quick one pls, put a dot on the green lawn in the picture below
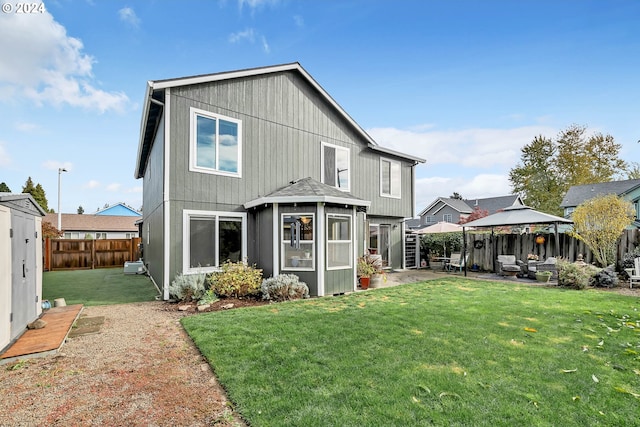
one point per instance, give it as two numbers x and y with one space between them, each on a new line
97 287
451 352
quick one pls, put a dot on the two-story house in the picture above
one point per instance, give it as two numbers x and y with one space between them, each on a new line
262 164
628 189
445 209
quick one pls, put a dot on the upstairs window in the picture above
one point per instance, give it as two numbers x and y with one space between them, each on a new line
335 166
216 144
447 218
390 178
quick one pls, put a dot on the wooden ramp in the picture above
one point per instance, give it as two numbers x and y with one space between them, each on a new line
40 342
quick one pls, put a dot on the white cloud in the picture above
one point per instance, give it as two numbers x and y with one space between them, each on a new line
247 34
265 45
298 20
113 187
481 148
92 184
128 16
26 127
53 165
49 66
472 162
137 190
256 4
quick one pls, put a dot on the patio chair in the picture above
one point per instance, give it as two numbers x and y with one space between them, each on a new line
634 277
458 263
506 260
549 264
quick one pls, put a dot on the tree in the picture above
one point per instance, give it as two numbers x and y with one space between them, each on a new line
80 210
476 214
456 195
50 231
599 222
4 188
549 167
37 192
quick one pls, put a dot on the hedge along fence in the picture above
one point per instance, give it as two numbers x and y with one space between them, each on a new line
483 248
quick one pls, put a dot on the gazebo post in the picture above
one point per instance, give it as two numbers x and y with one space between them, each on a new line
464 250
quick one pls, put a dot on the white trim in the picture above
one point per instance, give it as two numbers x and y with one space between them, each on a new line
351 241
336 173
166 203
276 240
391 163
283 242
354 237
307 199
187 214
193 142
320 251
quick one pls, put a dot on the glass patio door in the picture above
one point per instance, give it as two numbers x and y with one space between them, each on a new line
379 241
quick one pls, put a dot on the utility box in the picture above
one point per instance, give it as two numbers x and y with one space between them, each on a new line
133 267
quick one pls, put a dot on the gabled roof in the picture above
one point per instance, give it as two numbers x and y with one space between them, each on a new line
78 222
154 104
494 204
457 204
308 190
24 202
466 206
118 209
578 194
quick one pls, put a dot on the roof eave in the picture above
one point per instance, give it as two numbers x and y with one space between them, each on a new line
388 151
306 199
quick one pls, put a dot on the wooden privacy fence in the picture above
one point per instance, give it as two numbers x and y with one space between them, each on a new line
483 248
82 254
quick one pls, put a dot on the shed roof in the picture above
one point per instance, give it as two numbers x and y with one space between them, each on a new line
84 222
24 202
308 190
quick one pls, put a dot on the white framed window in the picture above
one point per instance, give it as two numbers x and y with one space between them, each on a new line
390 178
336 170
215 144
339 244
431 219
298 242
101 235
447 218
211 238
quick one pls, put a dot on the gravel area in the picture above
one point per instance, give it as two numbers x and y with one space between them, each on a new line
141 369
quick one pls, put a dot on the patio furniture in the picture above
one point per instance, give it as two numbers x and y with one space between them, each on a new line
634 275
458 263
549 265
510 270
504 260
532 268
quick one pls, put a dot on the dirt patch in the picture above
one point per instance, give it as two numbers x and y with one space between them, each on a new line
86 325
140 369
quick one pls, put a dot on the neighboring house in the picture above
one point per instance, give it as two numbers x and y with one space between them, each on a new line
628 189
83 226
119 209
263 165
454 210
20 265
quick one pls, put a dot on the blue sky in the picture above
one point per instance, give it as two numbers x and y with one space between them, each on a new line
463 84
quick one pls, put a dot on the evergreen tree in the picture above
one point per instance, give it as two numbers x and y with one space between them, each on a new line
80 210
4 188
37 192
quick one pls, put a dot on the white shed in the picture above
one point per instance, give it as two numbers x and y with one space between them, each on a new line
20 264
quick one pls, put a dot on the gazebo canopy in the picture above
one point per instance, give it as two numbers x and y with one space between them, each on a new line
517 215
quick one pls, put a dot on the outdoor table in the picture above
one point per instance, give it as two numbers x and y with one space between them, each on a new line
443 260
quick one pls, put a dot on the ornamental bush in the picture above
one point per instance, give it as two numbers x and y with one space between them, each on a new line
236 280
575 276
627 261
283 288
188 287
605 278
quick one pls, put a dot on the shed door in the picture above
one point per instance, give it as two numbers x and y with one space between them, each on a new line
23 272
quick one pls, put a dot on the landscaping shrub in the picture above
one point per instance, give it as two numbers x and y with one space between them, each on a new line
574 275
188 287
627 261
237 280
605 278
284 287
